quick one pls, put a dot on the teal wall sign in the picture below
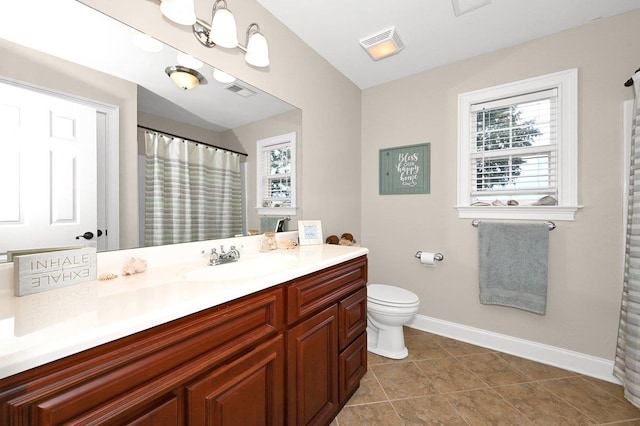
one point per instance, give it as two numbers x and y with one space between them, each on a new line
405 169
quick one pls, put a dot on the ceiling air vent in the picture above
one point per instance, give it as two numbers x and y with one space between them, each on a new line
382 44
460 7
240 90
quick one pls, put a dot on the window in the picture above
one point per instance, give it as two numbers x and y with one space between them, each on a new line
517 150
276 175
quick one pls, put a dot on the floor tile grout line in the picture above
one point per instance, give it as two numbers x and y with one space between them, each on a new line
557 396
458 355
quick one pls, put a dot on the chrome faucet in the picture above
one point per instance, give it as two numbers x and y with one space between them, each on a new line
223 257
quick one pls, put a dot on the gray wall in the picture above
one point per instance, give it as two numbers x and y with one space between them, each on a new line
342 136
586 256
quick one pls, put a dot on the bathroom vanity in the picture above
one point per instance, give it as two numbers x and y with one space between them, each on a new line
288 347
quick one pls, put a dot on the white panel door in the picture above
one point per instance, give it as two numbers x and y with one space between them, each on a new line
47 170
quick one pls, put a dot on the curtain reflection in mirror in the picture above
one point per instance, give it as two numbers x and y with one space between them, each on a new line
192 192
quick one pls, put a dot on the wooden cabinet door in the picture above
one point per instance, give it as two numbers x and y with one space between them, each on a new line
353 366
166 414
312 357
352 314
247 391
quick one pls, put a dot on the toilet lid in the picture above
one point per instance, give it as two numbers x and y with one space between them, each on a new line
390 294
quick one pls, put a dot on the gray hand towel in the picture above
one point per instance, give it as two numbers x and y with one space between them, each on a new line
513 265
268 223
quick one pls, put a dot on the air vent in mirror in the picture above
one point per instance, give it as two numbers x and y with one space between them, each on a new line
240 90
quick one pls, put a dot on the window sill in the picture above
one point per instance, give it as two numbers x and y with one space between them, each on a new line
277 211
518 212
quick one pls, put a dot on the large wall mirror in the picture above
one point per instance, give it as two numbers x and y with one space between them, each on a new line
69 51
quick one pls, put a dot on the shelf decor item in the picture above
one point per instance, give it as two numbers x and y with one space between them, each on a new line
310 232
35 273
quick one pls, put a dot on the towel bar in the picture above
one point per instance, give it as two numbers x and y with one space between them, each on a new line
551 225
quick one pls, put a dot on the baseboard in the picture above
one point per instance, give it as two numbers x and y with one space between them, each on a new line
562 358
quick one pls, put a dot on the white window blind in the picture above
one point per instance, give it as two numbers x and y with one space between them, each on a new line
276 175
518 149
513 144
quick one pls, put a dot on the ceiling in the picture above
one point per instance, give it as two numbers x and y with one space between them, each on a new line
433 36
74 32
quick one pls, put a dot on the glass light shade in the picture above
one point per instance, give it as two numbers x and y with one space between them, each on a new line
257 51
382 50
189 61
184 80
223 29
179 11
222 76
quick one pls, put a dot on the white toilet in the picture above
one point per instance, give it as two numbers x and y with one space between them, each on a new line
388 309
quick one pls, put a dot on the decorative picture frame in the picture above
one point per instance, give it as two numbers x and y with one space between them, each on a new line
405 169
310 232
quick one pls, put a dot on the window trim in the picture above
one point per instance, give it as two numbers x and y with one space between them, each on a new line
566 83
287 138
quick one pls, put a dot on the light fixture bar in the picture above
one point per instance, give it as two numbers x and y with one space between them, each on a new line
222 31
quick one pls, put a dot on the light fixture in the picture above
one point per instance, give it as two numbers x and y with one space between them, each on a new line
382 44
223 26
222 76
189 61
257 52
222 31
185 78
179 11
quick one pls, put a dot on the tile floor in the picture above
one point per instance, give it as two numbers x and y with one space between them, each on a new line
447 382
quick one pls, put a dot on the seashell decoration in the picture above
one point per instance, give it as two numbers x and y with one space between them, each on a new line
547 200
107 276
134 266
332 239
346 240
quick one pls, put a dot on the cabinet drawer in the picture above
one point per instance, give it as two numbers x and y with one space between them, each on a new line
319 290
353 366
130 373
352 317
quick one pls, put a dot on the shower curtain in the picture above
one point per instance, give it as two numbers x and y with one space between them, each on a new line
193 192
627 362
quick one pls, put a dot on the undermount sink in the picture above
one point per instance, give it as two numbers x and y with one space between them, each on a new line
246 267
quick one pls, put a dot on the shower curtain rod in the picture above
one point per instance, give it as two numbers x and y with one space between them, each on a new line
192 140
630 81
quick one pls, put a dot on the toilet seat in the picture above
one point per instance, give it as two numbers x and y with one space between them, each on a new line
391 296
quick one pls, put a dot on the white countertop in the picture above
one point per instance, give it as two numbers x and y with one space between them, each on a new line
40 328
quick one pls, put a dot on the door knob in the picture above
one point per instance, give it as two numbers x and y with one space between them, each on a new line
87 236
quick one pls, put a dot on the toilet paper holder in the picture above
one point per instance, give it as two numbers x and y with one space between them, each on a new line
437 256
